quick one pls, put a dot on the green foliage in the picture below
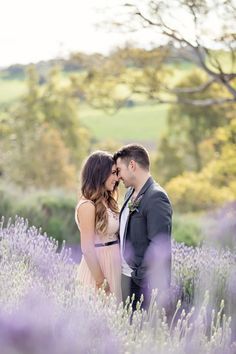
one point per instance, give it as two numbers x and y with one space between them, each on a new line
187 229
60 109
15 71
215 183
107 145
7 197
43 140
182 147
42 163
193 191
168 161
127 71
11 90
52 210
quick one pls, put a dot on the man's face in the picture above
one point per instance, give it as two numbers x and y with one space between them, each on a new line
124 171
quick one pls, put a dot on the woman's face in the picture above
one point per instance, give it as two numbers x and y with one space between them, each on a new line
112 179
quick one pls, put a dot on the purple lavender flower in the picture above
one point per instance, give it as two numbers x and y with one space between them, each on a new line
43 309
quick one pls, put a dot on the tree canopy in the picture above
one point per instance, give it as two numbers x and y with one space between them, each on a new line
42 140
202 32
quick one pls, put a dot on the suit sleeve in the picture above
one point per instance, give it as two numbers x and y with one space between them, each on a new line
158 216
155 268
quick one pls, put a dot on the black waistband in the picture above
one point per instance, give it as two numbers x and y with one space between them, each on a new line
106 243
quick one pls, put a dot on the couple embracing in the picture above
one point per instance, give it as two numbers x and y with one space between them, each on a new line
128 251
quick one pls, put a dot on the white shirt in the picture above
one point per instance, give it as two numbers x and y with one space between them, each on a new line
125 268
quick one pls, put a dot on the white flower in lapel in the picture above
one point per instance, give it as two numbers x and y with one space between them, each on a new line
134 204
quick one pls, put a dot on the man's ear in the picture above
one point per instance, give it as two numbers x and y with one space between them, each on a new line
133 165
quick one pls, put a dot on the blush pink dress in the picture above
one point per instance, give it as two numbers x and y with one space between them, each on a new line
108 256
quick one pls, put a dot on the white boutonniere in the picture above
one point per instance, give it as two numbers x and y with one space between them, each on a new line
134 204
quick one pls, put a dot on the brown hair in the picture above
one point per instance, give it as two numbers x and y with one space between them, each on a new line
96 170
134 152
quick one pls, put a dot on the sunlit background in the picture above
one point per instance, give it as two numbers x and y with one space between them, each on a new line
31 31
78 76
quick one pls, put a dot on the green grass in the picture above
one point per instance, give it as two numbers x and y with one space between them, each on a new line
140 123
225 60
11 90
143 123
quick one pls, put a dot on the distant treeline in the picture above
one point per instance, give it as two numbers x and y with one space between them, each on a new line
80 61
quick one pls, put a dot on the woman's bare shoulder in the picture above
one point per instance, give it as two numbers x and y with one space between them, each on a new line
85 212
84 201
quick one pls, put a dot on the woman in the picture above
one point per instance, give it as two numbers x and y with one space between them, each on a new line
97 217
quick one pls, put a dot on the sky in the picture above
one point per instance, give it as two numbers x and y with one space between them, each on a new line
32 30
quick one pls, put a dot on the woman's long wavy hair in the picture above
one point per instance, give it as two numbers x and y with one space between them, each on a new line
96 170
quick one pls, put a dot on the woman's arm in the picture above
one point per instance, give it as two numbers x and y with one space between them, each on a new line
86 217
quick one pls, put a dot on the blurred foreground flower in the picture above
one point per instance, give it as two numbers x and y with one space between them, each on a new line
45 310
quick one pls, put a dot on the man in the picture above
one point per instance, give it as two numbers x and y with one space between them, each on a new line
145 227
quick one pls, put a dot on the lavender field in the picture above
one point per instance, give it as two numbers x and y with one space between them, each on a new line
45 310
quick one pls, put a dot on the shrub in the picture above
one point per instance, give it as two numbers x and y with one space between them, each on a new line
51 210
187 229
193 192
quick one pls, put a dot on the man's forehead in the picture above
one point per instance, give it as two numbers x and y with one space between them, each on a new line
120 162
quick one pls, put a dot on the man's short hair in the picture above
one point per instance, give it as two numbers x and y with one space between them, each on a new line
134 152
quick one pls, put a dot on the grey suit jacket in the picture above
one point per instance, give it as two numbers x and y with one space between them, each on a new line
147 236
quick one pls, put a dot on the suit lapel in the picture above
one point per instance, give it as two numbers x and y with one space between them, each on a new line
127 196
147 184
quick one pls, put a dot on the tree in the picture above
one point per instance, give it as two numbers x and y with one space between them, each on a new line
215 183
42 162
125 71
44 113
189 130
186 27
60 109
